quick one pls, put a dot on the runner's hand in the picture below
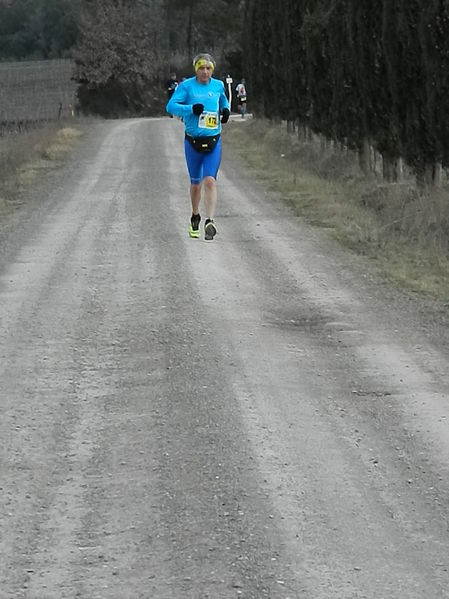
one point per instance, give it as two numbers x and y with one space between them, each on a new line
225 115
197 109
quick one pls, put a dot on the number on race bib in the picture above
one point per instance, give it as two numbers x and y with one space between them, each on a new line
208 120
211 121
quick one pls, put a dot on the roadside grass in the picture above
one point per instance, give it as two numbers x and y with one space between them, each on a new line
29 154
400 231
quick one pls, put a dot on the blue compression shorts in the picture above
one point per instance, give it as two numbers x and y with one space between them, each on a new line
202 164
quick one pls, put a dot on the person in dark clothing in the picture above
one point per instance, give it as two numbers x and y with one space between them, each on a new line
170 87
172 84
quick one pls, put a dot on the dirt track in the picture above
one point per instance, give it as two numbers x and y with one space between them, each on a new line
250 417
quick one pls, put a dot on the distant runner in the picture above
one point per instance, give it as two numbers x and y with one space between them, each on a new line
202 104
171 86
241 97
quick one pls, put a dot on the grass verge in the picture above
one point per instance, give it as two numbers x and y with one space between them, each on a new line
27 155
402 232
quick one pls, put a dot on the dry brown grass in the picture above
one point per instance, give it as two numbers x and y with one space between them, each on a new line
402 231
25 155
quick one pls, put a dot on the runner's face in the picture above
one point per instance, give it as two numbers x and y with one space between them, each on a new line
204 74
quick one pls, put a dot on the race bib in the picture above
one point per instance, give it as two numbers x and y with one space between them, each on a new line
208 120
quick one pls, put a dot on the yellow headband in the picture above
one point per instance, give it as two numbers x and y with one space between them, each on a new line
202 62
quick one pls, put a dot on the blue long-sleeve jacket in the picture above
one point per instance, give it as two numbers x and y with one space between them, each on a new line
211 95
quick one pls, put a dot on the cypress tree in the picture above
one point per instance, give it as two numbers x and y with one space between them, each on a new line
415 142
416 47
295 68
436 55
431 125
343 103
318 72
370 80
258 54
364 74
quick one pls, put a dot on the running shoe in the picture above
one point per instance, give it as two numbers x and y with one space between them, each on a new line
210 230
194 228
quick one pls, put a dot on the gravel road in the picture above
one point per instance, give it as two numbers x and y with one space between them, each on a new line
252 417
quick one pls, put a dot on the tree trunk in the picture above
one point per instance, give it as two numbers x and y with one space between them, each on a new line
432 175
390 169
325 144
304 133
438 174
365 157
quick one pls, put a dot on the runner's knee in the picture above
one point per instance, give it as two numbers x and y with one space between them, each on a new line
209 182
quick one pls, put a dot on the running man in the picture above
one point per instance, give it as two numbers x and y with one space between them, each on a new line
241 96
202 104
171 85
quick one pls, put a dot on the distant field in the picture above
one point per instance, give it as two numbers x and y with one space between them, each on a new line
36 91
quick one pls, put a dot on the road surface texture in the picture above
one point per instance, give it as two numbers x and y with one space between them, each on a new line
251 417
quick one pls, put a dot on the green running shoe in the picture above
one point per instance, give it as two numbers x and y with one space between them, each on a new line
194 228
